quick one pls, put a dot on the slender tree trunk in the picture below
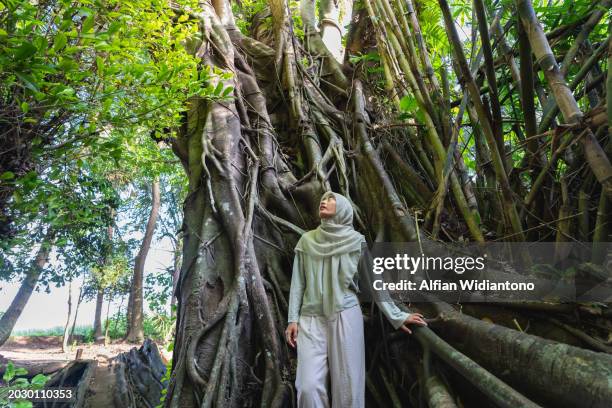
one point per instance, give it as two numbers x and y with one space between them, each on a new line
601 9
67 325
601 233
118 315
97 327
485 123
135 328
106 256
129 309
496 116
107 322
594 154
10 317
76 314
176 273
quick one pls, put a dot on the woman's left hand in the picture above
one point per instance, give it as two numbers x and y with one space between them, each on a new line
414 318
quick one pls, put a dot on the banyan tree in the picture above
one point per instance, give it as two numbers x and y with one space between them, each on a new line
491 128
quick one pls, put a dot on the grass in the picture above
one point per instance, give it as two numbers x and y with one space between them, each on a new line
156 327
53 331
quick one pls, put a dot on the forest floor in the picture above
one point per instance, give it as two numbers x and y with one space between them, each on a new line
44 353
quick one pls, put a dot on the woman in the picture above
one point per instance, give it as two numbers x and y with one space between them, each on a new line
325 320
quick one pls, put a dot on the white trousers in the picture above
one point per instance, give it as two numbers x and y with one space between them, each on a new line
331 349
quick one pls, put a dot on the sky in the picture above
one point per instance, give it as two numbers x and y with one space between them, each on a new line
49 310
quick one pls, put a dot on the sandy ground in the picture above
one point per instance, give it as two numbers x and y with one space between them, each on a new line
44 353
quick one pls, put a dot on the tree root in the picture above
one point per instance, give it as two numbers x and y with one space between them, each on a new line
533 364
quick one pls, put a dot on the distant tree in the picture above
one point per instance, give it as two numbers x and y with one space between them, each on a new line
67 219
135 332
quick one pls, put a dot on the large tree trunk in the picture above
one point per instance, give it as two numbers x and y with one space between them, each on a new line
135 332
258 163
9 318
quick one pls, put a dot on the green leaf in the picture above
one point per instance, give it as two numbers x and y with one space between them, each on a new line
28 81
22 404
41 44
7 175
25 50
39 380
9 372
21 382
227 91
68 64
25 108
420 116
60 41
71 49
408 104
100 65
218 88
20 371
87 24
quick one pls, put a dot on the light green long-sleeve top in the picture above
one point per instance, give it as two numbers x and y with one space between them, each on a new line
309 291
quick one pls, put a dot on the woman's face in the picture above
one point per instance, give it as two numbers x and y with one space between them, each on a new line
327 208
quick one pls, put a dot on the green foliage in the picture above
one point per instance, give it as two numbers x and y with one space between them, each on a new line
296 19
410 109
85 332
370 56
371 66
72 203
467 147
158 327
117 326
113 77
245 10
79 74
158 290
112 271
430 20
14 379
552 15
86 82
161 326
102 62
166 378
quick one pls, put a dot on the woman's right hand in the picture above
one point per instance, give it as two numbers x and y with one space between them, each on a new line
413 318
291 334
